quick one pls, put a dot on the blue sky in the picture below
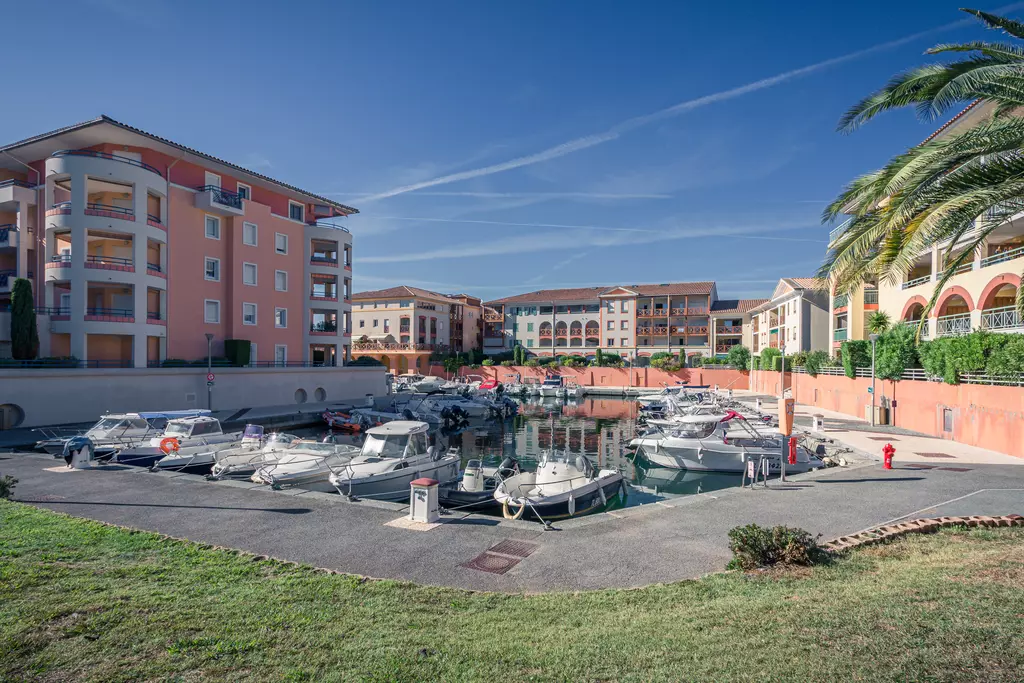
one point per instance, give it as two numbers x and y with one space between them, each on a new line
499 147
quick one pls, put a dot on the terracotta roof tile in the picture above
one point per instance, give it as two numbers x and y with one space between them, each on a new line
402 291
808 282
673 289
736 305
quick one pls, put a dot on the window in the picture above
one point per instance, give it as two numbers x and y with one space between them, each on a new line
624 325
281 280
362 323
212 269
625 307
297 212
249 274
249 234
211 311
611 342
248 314
611 324
529 342
212 228
280 317
529 327
610 306
280 354
375 322
280 243
244 191
624 341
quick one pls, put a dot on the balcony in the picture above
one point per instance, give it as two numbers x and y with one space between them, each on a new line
840 301
953 325
870 297
652 313
1002 257
109 211
494 317
59 209
544 334
697 330
109 263
840 334
110 315
917 281
838 230
8 235
390 346
213 199
728 329
1005 318
323 294
697 310
325 328
496 341
156 318
110 157
323 260
155 222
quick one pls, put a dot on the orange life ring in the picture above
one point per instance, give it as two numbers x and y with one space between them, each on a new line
169 444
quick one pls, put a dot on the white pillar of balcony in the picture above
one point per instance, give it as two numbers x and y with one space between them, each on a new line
79 281
24 241
140 293
979 254
935 263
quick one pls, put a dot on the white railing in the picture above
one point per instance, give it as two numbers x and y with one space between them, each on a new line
920 375
1005 256
1000 318
838 230
916 281
950 325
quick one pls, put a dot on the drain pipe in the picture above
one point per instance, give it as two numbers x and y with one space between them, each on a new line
40 224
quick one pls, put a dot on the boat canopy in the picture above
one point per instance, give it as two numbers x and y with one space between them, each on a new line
253 432
173 414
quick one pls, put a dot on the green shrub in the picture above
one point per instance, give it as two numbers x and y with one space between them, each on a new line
797 359
366 361
613 360
532 363
487 363
24 330
755 362
815 361
738 356
7 483
173 363
1008 359
507 363
755 546
238 351
979 351
856 354
895 351
767 357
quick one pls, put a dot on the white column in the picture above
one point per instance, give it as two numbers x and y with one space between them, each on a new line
935 263
140 292
24 242
79 282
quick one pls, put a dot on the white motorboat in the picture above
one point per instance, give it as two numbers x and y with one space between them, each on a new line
307 464
563 485
392 457
573 389
705 442
186 444
552 387
531 386
437 403
116 431
256 451
428 384
663 399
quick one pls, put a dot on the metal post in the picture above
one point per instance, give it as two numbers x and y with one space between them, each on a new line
782 406
209 369
873 338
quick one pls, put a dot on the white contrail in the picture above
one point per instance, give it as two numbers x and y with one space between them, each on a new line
636 122
527 195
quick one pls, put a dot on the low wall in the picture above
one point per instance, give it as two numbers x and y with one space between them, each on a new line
615 377
985 416
60 396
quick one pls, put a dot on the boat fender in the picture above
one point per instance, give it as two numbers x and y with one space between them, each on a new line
700 454
507 513
604 499
572 504
169 445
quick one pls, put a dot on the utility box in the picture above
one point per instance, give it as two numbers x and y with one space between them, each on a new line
881 414
818 423
423 506
786 413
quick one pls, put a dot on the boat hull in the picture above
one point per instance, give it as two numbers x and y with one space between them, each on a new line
580 501
707 459
394 485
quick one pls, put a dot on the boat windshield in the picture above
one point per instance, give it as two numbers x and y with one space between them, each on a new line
579 462
394 445
177 429
108 423
253 432
555 382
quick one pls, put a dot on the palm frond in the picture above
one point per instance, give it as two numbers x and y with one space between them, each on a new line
1004 50
1009 26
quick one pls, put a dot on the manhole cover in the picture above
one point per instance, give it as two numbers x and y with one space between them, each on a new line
490 563
955 469
515 548
935 455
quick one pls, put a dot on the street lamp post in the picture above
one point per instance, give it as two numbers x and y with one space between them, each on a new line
209 370
782 407
873 338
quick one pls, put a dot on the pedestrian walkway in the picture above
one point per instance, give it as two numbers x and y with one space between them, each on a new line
860 435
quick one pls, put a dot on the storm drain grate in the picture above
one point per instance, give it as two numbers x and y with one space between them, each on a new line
490 563
935 455
919 466
520 549
955 469
882 438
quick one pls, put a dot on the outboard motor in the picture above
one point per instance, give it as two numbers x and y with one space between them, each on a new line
473 477
407 414
508 467
79 453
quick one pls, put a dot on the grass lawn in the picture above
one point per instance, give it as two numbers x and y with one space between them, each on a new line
83 601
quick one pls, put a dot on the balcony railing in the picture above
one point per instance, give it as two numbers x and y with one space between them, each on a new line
154 267
544 334
917 281
107 261
328 294
840 301
729 329
6 276
14 182
494 317
1000 318
111 312
154 315
324 258
98 209
698 330
326 326
951 325
104 155
964 268
838 230
5 231
1001 257
840 334
222 197
870 296
154 220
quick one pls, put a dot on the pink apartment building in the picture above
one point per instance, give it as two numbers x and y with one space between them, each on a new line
137 247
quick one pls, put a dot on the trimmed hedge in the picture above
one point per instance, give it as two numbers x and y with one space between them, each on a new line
856 354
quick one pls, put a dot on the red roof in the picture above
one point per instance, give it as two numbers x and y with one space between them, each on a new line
736 305
583 293
402 291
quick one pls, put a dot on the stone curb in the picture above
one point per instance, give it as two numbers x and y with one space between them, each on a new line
917 526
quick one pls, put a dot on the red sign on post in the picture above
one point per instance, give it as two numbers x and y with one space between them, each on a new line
210 377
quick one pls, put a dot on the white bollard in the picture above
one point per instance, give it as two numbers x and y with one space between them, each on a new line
423 506
757 403
818 423
368 402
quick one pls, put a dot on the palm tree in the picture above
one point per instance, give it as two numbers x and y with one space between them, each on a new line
879 322
956 188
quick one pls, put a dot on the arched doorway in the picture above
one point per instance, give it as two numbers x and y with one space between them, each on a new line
954 315
403 365
386 360
999 308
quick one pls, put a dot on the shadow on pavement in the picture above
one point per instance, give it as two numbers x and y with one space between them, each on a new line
861 481
287 511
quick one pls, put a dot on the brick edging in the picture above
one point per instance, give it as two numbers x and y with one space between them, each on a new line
918 526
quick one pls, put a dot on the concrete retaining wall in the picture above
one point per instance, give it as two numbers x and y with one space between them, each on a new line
615 377
62 396
986 416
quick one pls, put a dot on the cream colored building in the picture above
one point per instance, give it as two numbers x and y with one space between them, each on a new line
795 318
401 326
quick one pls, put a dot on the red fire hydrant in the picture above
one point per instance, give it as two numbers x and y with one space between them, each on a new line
887 452
792 450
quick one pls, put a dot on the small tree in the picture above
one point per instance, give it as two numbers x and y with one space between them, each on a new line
895 352
599 357
24 333
738 356
879 322
856 354
815 361
452 364
768 357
